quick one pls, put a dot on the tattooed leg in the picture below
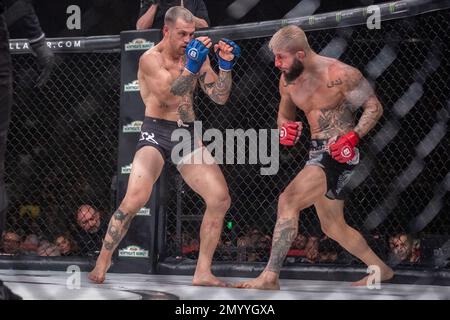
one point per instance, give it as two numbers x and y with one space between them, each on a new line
117 228
283 235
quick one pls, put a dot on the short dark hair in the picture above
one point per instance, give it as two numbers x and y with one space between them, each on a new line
178 12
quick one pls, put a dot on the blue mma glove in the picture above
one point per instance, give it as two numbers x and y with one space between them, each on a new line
227 65
196 53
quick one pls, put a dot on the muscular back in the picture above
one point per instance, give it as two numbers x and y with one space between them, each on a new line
329 98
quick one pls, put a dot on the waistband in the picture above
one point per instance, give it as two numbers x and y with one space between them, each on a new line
319 145
170 123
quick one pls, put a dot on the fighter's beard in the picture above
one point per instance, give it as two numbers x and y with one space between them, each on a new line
294 72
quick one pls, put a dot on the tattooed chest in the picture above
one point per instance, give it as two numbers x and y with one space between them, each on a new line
331 121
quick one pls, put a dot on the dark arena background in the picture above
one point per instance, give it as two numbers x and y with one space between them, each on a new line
71 143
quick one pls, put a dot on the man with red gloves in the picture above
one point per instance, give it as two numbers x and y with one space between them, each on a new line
328 92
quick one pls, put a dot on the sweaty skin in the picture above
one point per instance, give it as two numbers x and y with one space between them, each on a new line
328 92
330 100
167 90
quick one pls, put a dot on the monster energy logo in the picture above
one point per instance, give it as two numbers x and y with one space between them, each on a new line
312 20
144 212
133 251
138 44
392 7
134 126
126 169
338 16
132 86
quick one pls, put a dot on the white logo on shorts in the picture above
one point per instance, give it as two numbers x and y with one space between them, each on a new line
150 137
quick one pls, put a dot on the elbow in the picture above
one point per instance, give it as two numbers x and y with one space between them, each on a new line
379 111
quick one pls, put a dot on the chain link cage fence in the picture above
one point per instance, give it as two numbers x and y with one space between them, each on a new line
61 156
62 152
400 199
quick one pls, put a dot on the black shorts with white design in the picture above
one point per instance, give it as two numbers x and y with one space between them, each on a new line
158 133
338 174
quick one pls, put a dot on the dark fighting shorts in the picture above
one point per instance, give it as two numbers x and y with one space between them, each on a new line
158 133
338 174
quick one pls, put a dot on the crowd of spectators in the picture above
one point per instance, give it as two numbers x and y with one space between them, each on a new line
254 246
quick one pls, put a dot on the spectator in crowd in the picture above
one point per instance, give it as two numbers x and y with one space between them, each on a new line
404 249
253 246
11 243
30 245
312 249
152 12
66 245
191 249
190 245
93 225
263 247
226 250
88 218
328 250
242 244
298 246
47 249
252 251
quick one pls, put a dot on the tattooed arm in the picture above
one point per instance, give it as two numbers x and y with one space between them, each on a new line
184 87
359 93
287 108
155 82
217 87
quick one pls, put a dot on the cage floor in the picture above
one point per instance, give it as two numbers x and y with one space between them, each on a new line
43 285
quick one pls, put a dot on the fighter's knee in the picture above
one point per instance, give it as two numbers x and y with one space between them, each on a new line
219 203
331 229
288 202
212 222
135 201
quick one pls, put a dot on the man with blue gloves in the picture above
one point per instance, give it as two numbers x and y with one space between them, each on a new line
168 75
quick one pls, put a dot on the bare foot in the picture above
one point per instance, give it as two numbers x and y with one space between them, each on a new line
262 282
208 280
98 274
386 275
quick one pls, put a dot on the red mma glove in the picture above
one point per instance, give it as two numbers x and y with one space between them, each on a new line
290 133
343 150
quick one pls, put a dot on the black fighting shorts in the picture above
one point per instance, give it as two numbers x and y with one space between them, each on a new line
338 174
158 133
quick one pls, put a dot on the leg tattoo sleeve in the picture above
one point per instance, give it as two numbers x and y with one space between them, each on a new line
283 235
118 227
